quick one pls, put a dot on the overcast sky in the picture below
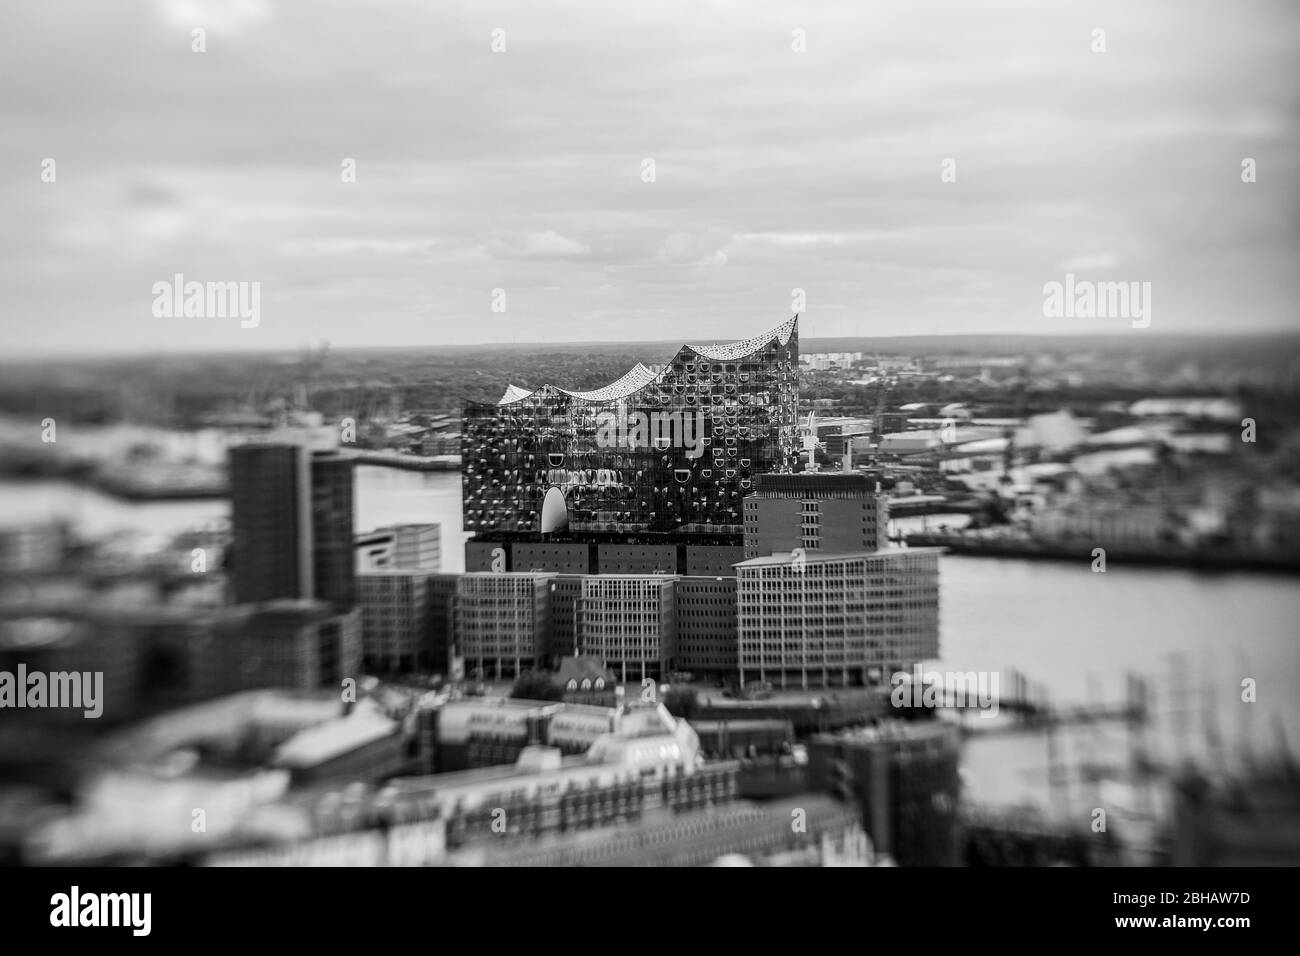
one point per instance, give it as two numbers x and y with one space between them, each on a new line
523 170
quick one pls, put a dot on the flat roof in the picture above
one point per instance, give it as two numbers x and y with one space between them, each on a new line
742 724
813 556
333 739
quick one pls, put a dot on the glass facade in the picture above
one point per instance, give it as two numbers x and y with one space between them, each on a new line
669 450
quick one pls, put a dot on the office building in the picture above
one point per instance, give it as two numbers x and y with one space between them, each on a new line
706 626
331 544
405 600
291 506
411 547
812 619
441 634
833 512
502 622
566 599
406 619
629 621
640 625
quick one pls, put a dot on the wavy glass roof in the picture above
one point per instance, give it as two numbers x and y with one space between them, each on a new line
738 350
637 377
640 376
513 394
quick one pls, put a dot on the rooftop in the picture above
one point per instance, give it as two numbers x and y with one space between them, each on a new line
639 376
814 556
333 739
737 350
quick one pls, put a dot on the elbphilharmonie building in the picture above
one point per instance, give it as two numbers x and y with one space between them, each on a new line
667 450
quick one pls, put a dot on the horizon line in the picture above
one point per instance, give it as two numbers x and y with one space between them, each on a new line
12 358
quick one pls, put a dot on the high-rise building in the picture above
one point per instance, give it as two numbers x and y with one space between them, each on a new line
669 451
270 498
332 530
838 513
812 619
291 505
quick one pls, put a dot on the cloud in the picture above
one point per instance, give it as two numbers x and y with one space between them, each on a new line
702 250
383 246
539 245
806 239
1089 263
229 17
775 170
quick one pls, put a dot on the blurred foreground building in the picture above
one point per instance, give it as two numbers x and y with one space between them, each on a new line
292 513
406 601
904 777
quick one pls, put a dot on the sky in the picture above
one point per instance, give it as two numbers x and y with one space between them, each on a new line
504 195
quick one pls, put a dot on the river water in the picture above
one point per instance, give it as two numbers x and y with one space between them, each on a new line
1194 636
